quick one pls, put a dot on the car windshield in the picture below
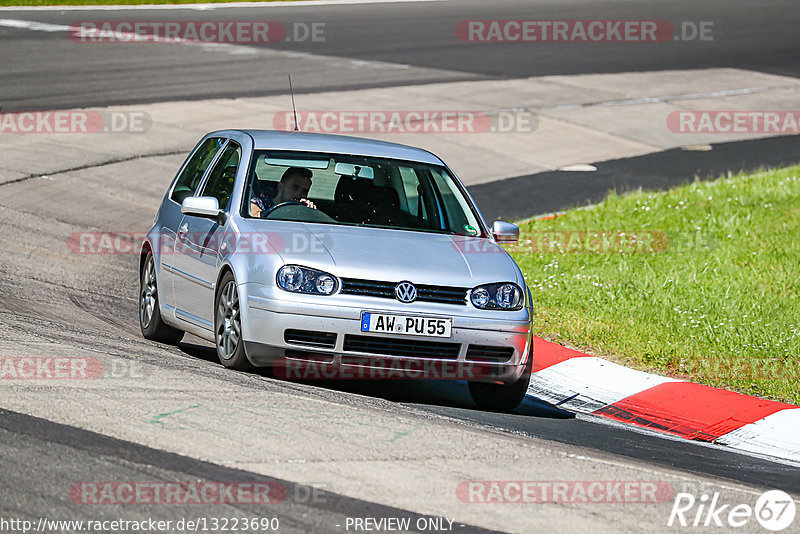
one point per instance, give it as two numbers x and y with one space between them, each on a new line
357 190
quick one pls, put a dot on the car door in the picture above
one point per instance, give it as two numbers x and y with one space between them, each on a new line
197 255
186 184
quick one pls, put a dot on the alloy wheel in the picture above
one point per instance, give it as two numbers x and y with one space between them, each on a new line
228 323
149 292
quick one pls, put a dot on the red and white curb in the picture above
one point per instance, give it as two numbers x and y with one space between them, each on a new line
579 382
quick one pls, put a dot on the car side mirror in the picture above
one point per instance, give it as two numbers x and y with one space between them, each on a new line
207 207
505 232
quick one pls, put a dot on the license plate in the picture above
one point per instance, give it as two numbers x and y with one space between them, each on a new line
406 324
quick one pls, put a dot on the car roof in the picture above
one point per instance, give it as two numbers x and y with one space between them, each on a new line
340 144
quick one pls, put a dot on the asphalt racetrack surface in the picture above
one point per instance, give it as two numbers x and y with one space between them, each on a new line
52 435
419 37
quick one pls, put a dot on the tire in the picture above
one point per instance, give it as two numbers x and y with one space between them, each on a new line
150 322
228 326
502 397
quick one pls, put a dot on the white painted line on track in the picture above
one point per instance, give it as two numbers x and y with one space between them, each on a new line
579 167
210 7
55 28
33 25
659 99
228 48
587 384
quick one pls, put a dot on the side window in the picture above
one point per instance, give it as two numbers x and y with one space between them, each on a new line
220 180
195 169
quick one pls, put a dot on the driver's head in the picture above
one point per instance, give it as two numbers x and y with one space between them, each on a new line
295 184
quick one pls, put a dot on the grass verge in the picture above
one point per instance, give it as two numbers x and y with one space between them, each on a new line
699 282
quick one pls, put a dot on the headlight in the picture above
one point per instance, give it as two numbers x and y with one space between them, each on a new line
502 296
304 280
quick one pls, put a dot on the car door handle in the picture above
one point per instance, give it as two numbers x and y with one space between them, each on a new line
182 230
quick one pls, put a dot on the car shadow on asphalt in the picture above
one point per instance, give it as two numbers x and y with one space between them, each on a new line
423 393
434 393
198 348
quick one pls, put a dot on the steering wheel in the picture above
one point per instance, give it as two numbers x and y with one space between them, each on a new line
280 205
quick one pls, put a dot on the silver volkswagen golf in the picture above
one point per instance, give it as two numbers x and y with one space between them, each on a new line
292 250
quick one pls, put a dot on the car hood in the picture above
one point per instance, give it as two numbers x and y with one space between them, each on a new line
390 255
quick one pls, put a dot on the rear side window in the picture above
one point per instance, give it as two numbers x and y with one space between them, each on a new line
221 178
195 169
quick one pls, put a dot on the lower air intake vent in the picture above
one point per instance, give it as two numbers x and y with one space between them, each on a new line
309 338
488 353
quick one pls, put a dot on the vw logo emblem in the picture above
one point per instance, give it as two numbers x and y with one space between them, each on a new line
405 292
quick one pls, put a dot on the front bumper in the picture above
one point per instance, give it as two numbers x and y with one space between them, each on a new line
269 312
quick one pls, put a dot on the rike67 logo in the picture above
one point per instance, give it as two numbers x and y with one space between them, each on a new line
774 510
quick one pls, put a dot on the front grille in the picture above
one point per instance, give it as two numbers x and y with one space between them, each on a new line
376 288
310 338
489 353
401 347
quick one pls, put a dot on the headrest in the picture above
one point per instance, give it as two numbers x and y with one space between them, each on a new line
351 189
265 188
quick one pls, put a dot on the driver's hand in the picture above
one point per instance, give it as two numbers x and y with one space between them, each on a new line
308 203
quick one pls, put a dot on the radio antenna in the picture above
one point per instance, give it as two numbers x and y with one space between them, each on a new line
294 109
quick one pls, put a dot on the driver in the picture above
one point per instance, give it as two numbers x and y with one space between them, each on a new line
294 186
